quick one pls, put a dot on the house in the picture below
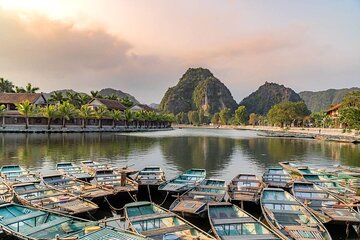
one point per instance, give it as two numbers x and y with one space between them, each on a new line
333 111
139 107
110 104
11 99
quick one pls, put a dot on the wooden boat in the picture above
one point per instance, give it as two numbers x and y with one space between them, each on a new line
324 205
277 177
73 170
150 176
111 180
75 186
155 222
185 181
193 203
289 217
16 174
91 166
33 224
229 222
6 194
245 188
40 196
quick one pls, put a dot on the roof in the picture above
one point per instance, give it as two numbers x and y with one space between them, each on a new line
110 104
12 98
335 107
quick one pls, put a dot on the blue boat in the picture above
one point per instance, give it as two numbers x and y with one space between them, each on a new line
73 170
16 174
33 224
185 181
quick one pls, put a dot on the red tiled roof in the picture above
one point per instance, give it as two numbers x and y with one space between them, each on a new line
335 107
12 98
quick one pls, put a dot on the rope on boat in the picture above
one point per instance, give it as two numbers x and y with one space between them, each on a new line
167 194
91 216
112 207
148 188
132 197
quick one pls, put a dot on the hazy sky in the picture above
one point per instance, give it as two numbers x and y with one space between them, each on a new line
144 47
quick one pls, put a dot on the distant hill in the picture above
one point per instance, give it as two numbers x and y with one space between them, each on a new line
154 105
196 89
110 91
268 95
63 91
322 100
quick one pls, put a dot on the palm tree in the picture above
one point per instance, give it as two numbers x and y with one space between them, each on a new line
2 114
126 102
6 85
85 112
95 94
100 112
30 89
84 99
129 117
57 97
116 115
74 98
26 109
66 112
112 97
19 89
50 112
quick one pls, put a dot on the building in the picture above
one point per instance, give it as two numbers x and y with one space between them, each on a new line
11 99
333 111
110 104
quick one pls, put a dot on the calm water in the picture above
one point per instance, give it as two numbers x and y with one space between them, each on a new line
223 153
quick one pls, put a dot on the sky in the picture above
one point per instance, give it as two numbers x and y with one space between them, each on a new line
144 47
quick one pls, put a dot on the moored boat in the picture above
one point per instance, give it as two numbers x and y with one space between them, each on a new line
185 181
151 176
75 186
33 224
17 174
40 196
324 205
73 170
6 194
91 167
157 223
228 221
277 177
245 188
289 217
193 203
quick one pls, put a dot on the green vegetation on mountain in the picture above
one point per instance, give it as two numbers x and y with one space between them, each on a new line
287 113
106 92
197 90
322 100
350 110
268 95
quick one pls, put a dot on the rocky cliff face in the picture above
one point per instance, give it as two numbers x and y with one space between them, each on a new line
197 89
322 100
268 95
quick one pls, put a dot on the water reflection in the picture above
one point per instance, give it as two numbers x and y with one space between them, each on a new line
223 153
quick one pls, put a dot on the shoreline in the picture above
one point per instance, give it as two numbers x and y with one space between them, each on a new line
324 134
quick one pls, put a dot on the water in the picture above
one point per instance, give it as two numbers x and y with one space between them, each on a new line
223 153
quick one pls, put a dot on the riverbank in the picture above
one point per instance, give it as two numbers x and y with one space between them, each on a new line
76 129
326 134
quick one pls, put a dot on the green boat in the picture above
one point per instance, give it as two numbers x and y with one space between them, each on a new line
157 223
74 170
33 224
228 221
277 177
185 181
16 174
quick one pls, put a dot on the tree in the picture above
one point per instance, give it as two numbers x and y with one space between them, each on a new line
240 115
74 98
85 112
253 118
19 89
126 102
350 110
285 113
181 118
224 116
26 109
318 118
95 94
66 112
116 115
2 114
193 117
112 97
6 86
215 119
30 89
49 112
56 97
101 112
84 99
129 117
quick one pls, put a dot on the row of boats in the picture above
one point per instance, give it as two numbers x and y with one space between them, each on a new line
296 201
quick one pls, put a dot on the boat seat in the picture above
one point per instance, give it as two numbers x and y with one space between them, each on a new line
211 187
295 212
45 226
285 202
161 231
22 218
151 216
61 180
222 221
250 237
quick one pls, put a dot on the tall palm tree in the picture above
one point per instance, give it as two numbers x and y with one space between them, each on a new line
85 112
112 97
129 117
126 102
6 85
66 112
50 112
74 98
2 114
100 112
26 109
57 97
84 99
95 94
116 115
19 89
30 89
